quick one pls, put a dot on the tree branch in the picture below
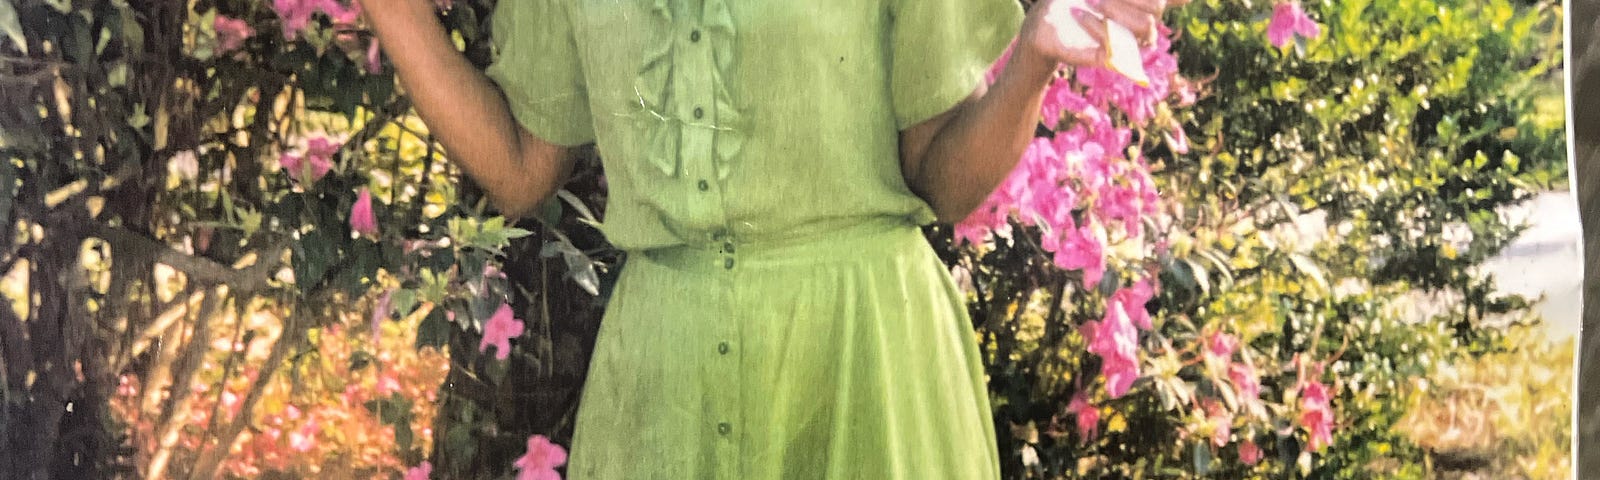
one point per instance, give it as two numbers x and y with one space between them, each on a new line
242 281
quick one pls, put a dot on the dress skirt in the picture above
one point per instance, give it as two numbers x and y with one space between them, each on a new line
849 355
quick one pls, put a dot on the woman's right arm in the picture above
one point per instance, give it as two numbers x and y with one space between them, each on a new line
465 111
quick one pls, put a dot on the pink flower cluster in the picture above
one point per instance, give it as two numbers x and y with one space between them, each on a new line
1316 414
296 14
1115 338
1288 21
1083 188
317 161
498 332
231 33
541 460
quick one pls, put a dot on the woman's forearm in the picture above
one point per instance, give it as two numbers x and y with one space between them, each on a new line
464 110
981 143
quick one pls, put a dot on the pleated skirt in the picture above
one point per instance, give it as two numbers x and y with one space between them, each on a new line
845 356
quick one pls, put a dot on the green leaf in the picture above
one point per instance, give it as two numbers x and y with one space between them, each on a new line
434 331
404 301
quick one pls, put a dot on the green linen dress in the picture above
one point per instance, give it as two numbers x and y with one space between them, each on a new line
780 315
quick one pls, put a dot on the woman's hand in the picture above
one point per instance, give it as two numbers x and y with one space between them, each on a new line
1075 32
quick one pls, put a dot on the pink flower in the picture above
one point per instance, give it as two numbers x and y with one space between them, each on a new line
499 331
1249 453
1115 340
1081 250
387 384
1134 299
231 33
1315 414
295 15
420 472
340 13
1222 345
1245 381
302 170
1288 20
304 439
361 219
541 460
1087 416
374 58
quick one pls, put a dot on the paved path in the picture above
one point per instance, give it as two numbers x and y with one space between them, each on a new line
1546 260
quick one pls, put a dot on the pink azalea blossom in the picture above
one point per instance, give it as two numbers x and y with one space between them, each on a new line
1245 381
231 33
1222 345
1086 415
340 13
1133 300
420 472
499 331
361 218
1289 20
1249 453
1316 415
1081 250
295 15
304 439
541 460
1115 340
305 170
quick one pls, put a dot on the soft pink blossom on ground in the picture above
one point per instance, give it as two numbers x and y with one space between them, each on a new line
361 218
304 439
420 472
231 33
541 460
1288 20
499 331
1086 416
1249 453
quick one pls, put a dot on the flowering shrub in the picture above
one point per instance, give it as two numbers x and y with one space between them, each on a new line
210 203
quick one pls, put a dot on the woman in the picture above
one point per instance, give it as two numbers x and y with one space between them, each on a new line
768 163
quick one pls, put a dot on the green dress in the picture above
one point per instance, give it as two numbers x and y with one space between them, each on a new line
780 315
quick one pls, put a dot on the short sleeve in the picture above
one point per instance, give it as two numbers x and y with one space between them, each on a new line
539 70
941 49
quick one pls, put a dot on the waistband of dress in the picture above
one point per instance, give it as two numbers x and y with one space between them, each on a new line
868 237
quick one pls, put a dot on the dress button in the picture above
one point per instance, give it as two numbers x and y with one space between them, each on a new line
728 264
704 185
699 112
724 428
722 348
694 36
727 248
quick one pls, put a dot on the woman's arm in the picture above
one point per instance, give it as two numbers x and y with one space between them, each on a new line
466 111
956 159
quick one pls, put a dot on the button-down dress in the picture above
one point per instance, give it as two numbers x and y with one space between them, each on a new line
780 315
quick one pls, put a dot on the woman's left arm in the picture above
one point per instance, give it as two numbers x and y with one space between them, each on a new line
956 159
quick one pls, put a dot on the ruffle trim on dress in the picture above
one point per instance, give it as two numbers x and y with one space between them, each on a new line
653 87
